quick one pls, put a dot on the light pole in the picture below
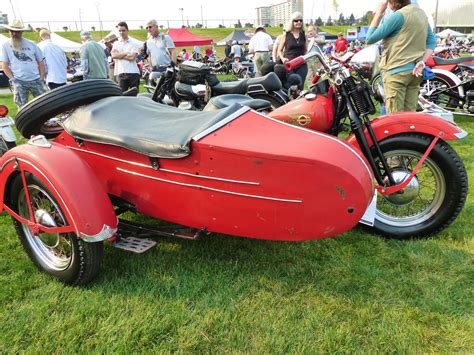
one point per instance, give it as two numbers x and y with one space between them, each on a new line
182 16
80 18
436 17
100 21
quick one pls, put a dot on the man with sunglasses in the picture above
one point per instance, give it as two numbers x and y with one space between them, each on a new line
160 48
22 62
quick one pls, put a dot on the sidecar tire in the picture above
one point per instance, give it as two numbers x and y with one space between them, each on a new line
78 263
31 118
449 179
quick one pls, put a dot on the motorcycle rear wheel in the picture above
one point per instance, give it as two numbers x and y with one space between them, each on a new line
443 99
434 198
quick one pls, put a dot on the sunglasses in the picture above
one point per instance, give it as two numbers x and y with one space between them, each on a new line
149 27
297 20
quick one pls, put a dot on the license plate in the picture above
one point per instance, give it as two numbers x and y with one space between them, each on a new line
369 216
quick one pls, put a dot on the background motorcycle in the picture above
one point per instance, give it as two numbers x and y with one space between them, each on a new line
452 88
192 85
422 182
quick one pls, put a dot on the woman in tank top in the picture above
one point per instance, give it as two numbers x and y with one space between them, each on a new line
293 44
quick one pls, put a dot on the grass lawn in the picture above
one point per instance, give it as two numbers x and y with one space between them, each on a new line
352 293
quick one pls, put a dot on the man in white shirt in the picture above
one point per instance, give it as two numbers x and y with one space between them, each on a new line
261 44
55 61
125 52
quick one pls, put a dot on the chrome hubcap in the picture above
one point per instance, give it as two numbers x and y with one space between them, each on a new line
408 194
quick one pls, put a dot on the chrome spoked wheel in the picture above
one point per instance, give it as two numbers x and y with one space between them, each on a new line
420 200
61 255
435 91
55 251
434 197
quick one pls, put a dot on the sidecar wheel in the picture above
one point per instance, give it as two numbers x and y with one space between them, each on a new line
63 256
41 115
435 196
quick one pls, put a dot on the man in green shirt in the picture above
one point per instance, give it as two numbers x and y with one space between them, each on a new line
93 59
408 42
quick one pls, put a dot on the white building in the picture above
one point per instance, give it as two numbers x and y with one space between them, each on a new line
279 14
455 14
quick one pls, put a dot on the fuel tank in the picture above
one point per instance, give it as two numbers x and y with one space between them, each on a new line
316 113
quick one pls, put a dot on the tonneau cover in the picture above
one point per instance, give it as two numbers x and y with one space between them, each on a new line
142 125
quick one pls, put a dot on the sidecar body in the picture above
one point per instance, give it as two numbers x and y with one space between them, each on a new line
231 171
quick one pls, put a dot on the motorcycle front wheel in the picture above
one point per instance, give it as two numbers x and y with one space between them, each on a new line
434 197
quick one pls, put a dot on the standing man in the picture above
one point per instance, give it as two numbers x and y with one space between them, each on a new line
22 62
55 61
125 52
93 60
341 44
261 44
316 44
109 42
236 50
159 47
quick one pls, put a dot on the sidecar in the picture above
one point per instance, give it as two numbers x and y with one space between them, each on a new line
231 171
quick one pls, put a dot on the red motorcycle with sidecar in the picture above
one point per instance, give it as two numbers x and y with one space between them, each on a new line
232 171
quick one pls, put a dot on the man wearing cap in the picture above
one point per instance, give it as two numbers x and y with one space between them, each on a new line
55 61
109 42
93 60
125 52
22 62
159 47
261 44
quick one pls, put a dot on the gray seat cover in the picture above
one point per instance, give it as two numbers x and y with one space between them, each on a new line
142 125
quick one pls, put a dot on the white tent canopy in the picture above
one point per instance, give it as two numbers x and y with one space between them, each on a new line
444 34
65 44
3 39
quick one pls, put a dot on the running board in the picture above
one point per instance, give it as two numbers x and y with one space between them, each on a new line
135 245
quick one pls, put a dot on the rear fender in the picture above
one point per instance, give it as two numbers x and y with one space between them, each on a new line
450 78
410 122
79 192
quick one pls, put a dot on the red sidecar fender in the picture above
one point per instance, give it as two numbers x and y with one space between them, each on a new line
405 122
76 188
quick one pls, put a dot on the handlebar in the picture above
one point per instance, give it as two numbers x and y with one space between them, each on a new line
294 63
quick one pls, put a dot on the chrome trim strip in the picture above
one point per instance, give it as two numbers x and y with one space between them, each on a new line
221 123
209 188
106 233
326 136
165 170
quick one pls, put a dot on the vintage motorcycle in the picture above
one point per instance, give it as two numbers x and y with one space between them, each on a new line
452 88
192 85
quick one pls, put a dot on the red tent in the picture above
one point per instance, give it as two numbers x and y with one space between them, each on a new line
183 38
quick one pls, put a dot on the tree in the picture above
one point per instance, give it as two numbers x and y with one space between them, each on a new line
319 22
93 28
65 28
221 26
141 27
198 25
329 21
352 20
238 24
248 25
341 21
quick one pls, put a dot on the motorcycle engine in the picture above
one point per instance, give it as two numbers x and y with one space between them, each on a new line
470 101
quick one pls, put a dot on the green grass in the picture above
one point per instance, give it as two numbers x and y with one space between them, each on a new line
355 292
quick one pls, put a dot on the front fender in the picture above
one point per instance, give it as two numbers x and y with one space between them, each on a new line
410 122
80 194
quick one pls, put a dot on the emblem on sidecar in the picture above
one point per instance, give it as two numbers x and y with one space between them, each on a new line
303 120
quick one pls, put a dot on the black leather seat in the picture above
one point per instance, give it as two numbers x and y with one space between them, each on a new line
270 82
442 61
142 125
219 102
